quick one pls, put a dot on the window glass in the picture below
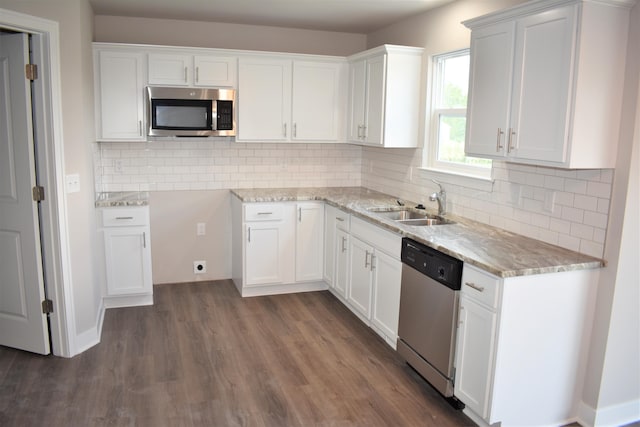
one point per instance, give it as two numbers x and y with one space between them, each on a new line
450 84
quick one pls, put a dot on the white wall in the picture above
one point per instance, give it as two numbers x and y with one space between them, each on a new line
76 27
612 388
228 36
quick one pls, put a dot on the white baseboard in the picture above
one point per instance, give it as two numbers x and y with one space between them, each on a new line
128 301
611 416
90 337
250 291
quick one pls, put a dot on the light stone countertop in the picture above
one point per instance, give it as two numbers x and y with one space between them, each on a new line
494 250
122 199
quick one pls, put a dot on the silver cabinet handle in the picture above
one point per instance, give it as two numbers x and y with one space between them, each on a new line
197 74
364 132
284 129
122 218
344 242
339 219
498 144
474 286
366 259
249 234
265 213
140 127
185 74
299 214
295 130
510 147
144 239
373 258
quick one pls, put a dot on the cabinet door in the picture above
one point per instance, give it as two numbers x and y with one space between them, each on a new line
169 69
119 96
360 277
543 72
387 272
491 72
375 100
341 272
316 101
264 99
266 253
215 71
357 85
309 241
474 355
128 260
329 243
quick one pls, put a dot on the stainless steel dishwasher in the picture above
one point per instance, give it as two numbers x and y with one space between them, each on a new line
428 313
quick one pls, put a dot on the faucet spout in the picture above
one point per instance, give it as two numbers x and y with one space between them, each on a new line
441 198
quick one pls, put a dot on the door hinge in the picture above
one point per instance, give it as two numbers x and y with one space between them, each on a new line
453 376
31 71
47 306
38 193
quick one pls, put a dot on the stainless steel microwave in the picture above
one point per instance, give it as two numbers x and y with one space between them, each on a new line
178 111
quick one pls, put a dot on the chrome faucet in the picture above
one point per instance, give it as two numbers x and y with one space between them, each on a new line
441 198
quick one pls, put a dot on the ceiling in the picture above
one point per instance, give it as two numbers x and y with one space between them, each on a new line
352 16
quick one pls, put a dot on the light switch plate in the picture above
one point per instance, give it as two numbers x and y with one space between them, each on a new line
73 183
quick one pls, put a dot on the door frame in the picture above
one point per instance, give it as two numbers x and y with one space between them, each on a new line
50 170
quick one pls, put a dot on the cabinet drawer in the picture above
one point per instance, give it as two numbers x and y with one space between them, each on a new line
379 238
263 212
481 286
125 217
343 220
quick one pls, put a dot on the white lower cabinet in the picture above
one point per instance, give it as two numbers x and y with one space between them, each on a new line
127 244
374 272
520 351
277 247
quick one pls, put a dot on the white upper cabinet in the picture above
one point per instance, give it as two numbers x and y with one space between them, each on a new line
284 100
384 96
119 85
175 69
546 83
264 99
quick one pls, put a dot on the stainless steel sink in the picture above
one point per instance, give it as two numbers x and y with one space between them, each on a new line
409 216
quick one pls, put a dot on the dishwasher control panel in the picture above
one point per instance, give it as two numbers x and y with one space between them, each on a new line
432 263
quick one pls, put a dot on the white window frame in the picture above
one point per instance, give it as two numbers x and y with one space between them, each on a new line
430 160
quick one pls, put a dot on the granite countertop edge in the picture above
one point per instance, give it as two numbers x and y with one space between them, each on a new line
496 251
122 199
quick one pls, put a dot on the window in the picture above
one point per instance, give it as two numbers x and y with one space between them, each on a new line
450 84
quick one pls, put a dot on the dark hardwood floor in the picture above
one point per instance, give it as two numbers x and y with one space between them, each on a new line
203 356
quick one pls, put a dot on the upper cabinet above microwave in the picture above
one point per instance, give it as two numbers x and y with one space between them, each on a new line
546 83
175 69
384 96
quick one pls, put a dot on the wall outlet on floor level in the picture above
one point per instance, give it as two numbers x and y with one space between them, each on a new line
199 267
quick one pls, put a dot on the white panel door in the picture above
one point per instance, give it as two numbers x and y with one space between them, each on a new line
341 272
309 241
360 277
215 71
22 323
315 103
375 100
265 253
542 76
386 294
169 69
120 96
474 355
490 78
128 260
264 99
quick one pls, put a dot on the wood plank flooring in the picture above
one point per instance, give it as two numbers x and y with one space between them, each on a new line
204 356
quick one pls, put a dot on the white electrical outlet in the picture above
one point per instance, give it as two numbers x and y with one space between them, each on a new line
201 229
549 201
117 165
199 267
